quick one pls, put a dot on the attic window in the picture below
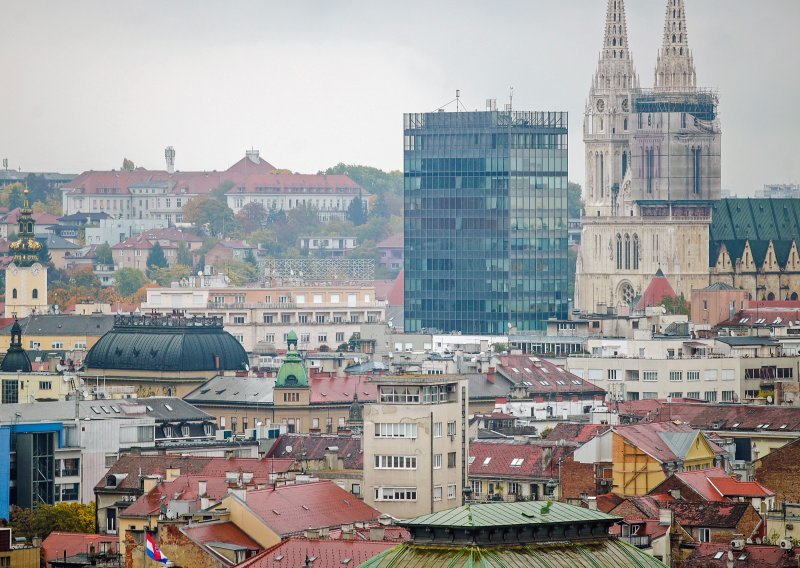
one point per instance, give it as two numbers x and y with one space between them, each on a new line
735 425
168 407
527 383
742 556
516 462
94 409
204 391
515 369
527 370
544 383
744 320
560 382
575 382
471 459
718 555
783 426
149 408
765 426
115 409
487 460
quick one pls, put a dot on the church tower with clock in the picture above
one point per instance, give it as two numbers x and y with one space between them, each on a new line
606 125
26 278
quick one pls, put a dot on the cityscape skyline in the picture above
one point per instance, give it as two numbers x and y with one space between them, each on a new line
156 62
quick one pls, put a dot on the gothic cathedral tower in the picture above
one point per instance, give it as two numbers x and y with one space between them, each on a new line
606 122
26 278
653 171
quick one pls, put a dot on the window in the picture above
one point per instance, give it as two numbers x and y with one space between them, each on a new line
320 318
517 462
676 375
322 338
514 488
696 170
208 429
451 491
35 294
302 318
693 395
14 293
451 428
45 385
692 375
286 318
728 396
649 395
268 318
238 319
10 391
395 430
395 493
451 459
269 338
437 429
437 461
711 396
58 345
291 397
704 535
649 375
711 375
339 336
305 337
395 462
437 493
612 374
401 395
675 395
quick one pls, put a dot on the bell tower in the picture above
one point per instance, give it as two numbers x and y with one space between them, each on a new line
675 65
607 122
26 278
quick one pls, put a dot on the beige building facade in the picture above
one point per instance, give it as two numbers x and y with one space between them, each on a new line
416 445
652 171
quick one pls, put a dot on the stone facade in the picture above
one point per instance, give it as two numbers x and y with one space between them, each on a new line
652 171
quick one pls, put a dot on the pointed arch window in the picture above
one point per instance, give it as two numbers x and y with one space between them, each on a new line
635 251
619 251
627 252
35 294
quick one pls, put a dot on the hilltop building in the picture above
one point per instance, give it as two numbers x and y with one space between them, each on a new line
26 277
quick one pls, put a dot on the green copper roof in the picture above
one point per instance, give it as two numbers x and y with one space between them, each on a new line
589 554
292 372
509 514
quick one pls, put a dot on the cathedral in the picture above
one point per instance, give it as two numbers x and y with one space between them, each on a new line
653 170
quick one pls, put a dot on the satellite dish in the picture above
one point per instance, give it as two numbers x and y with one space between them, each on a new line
288 449
769 400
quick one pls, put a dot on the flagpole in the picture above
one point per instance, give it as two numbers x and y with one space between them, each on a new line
144 546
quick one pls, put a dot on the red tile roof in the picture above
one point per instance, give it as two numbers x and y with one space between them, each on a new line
608 501
184 488
310 184
76 543
543 377
658 289
705 555
224 531
291 509
313 447
494 458
730 487
580 433
693 513
395 297
663 441
326 553
247 166
40 218
763 317
698 482
341 389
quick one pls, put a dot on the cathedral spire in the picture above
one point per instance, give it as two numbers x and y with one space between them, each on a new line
675 66
615 42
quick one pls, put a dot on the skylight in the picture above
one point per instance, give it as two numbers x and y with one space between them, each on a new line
516 462
527 370
718 555
544 383
471 459
783 426
168 407
560 382
94 409
515 369
575 382
149 408
487 460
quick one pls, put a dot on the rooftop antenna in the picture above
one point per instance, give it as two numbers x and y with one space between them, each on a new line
511 99
5 164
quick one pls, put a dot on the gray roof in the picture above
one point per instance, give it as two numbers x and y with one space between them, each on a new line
745 340
58 411
366 368
679 442
481 388
718 286
54 242
63 324
170 408
234 390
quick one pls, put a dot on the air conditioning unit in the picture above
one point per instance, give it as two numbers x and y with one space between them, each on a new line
737 544
785 544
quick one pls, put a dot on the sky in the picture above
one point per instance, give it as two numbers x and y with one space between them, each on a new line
314 83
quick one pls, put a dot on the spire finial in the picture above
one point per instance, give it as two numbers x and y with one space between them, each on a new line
675 67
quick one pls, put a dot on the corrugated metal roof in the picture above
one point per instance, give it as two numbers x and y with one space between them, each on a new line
508 514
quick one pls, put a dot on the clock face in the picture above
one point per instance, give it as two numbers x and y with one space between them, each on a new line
35 270
15 271
625 105
601 105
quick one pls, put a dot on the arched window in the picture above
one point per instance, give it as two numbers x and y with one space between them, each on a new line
636 252
627 252
14 293
30 227
674 38
619 251
770 296
625 155
35 294
793 296
624 127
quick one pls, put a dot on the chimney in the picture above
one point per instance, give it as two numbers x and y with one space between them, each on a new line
665 517
312 534
592 503
377 533
149 482
490 374
347 532
332 457
169 154
240 492
201 488
173 473
252 155
676 494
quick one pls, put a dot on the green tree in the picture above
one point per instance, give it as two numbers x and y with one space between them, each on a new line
44 519
221 190
252 217
156 258
128 165
676 306
129 280
103 254
376 181
15 196
184 254
44 254
357 211
201 263
574 200
169 274
381 208
239 272
210 214
251 258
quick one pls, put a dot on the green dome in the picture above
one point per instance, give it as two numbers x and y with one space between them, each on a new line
292 372
16 358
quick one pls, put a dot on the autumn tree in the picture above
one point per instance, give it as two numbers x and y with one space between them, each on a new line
44 519
252 217
167 275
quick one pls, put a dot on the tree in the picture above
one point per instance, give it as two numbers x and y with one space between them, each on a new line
381 208
240 272
52 205
252 217
251 258
44 519
15 197
221 190
201 263
44 253
167 275
374 180
574 201
184 255
156 258
128 165
129 280
357 211
676 306
207 213
103 254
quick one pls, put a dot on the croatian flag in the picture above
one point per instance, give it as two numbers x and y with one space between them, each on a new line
153 551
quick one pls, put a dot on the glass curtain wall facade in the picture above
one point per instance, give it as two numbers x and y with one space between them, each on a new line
485 221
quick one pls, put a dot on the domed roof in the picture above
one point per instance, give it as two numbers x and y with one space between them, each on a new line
168 343
16 358
292 372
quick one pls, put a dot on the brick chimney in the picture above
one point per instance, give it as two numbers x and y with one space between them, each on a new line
490 374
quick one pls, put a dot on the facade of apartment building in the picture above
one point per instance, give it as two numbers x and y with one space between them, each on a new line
416 445
262 318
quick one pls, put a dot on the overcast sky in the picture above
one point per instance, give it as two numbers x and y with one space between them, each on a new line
311 84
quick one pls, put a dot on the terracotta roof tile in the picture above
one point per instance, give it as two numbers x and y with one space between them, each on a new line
313 447
58 542
541 377
326 553
730 487
514 459
341 389
573 432
658 289
225 531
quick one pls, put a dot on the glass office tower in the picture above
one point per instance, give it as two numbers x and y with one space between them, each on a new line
485 221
